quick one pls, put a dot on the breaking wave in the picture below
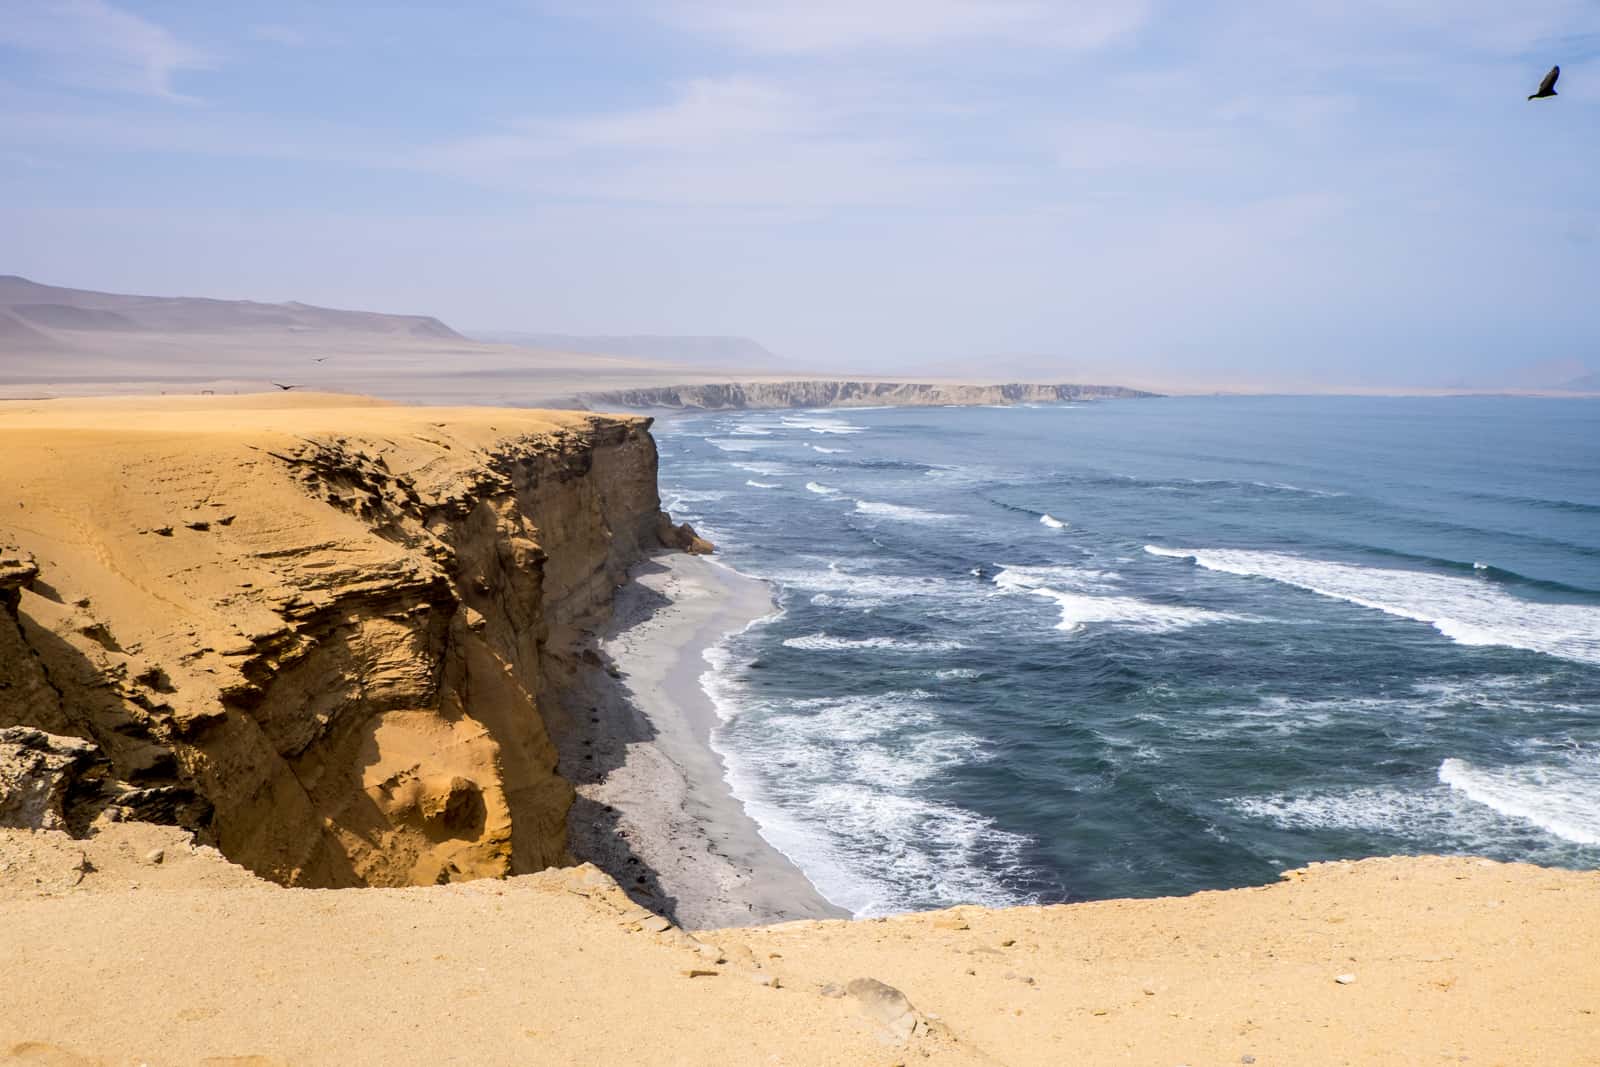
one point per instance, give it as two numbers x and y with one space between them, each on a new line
1466 611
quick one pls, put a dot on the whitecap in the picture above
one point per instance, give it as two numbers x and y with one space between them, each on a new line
767 470
760 485
900 513
1564 801
1467 611
821 490
823 642
822 425
1052 522
1088 604
828 451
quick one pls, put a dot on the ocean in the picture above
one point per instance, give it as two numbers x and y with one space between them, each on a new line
1139 648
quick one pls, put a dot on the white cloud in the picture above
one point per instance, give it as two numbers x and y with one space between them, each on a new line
90 43
781 26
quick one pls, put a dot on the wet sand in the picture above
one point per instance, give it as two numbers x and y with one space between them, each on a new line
654 804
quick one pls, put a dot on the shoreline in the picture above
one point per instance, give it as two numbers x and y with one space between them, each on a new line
654 806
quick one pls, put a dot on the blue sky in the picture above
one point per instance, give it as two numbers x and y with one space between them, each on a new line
1246 192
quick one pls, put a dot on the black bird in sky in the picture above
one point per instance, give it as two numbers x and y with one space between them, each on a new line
1548 86
319 359
285 388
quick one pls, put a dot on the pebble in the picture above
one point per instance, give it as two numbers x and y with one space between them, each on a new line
699 972
155 856
1345 979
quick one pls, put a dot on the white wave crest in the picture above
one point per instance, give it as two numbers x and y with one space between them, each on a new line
1052 522
900 513
760 485
821 490
1467 611
1080 608
827 643
1564 801
1013 578
822 425
768 470
829 451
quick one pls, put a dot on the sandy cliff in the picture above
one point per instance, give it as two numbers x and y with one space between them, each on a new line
324 633
823 393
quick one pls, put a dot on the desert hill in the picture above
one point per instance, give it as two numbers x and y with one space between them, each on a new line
63 314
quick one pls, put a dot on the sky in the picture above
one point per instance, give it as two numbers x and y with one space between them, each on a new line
1164 191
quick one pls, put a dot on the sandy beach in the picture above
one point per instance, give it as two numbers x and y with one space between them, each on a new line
654 808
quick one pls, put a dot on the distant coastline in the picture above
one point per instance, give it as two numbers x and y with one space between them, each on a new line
823 393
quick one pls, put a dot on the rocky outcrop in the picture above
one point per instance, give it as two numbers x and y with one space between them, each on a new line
332 654
824 394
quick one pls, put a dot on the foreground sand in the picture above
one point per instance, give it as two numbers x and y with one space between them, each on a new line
190 961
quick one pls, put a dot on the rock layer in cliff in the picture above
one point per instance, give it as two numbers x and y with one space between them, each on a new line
322 632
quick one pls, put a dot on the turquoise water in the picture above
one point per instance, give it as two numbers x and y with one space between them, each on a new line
1152 647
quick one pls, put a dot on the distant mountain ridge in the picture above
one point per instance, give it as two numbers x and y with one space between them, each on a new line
709 351
41 317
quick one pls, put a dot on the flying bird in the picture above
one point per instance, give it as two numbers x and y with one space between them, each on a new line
1548 86
319 359
285 388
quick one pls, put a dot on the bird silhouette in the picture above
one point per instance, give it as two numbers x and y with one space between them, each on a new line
319 359
285 388
1548 86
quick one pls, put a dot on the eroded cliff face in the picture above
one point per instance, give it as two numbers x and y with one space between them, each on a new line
325 638
824 393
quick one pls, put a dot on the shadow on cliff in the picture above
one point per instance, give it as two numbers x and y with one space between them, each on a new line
55 687
599 723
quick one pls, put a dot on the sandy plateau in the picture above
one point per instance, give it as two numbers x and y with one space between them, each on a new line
312 709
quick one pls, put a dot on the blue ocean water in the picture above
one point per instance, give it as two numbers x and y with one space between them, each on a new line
1152 647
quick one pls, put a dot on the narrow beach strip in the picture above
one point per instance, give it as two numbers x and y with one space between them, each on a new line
706 859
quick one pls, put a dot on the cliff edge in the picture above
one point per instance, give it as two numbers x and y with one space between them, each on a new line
325 634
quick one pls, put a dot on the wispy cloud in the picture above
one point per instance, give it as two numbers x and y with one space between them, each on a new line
92 44
740 141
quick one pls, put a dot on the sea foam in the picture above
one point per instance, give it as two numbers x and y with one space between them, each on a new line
1560 800
900 513
827 643
1467 611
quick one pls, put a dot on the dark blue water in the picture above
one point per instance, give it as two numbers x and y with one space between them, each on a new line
1152 647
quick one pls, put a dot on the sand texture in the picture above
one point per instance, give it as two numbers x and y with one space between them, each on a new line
110 957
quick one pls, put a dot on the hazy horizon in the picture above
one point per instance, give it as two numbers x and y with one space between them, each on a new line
1337 196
